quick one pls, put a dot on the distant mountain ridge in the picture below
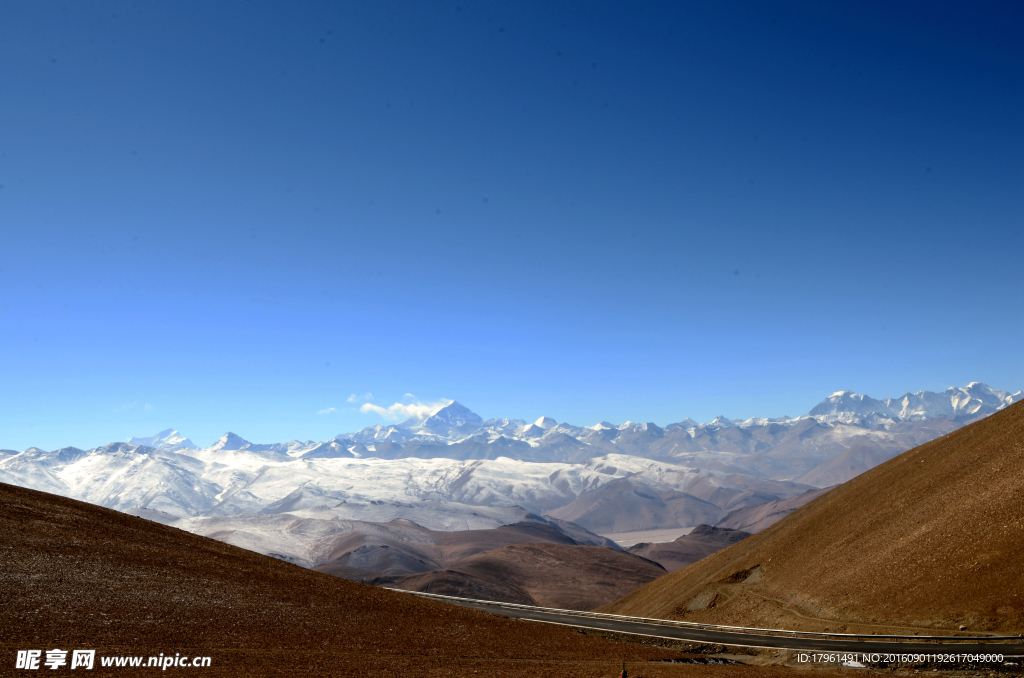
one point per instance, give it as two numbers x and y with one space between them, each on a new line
452 470
454 423
960 404
804 448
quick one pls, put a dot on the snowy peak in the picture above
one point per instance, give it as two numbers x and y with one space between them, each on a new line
168 439
123 448
451 416
974 400
848 402
230 441
328 450
645 428
418 419
448 422
545 423
372 434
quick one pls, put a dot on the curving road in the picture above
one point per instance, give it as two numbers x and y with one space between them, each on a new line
636 626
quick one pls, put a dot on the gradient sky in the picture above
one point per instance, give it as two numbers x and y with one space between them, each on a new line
234 216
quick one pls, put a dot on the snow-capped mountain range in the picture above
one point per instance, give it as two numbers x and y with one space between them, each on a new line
455 423
452 470
842 436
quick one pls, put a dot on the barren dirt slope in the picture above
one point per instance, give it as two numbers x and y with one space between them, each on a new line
566 576
932 538
78 576
411 549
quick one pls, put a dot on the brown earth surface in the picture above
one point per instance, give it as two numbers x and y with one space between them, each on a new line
931 539
700 543
413 549
78 576
570 577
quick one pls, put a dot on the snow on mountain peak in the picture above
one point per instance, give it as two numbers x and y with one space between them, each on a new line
168 439
452 415
975 399
454 422
230 441
849 403
545 423
530 431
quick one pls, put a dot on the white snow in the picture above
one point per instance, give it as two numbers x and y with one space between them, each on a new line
343 479
168 439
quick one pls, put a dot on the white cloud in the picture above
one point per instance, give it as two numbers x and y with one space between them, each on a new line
328 410
366 397
149 408
404 411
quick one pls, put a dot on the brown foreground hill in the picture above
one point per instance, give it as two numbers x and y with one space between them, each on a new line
566 576
78 576
932 539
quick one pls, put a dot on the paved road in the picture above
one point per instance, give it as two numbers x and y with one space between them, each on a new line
637 627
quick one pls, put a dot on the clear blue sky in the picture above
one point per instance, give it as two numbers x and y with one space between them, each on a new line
232 216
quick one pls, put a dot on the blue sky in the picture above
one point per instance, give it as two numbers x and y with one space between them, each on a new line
234 216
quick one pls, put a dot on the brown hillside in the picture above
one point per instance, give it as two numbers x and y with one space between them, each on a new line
932 538
363 555
78 576
570 577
